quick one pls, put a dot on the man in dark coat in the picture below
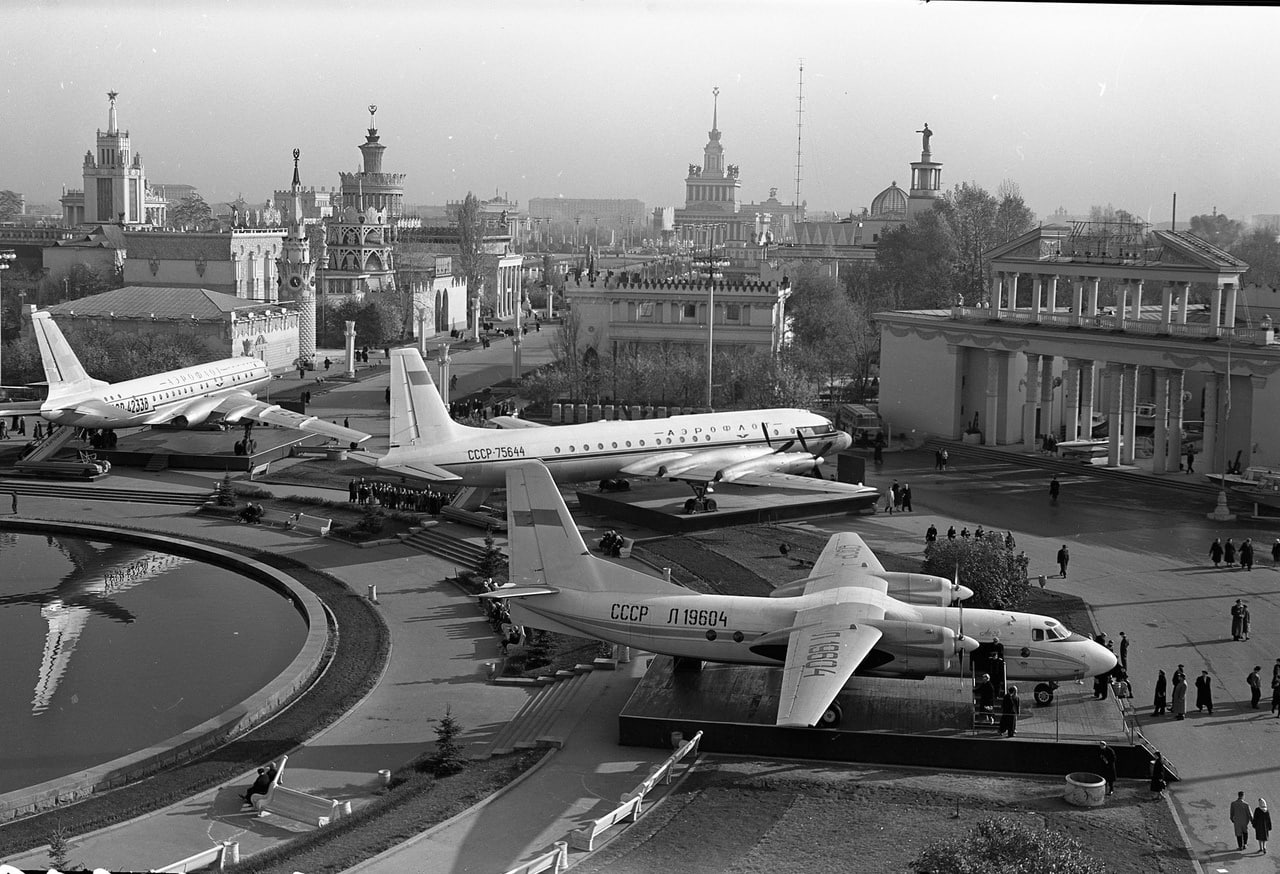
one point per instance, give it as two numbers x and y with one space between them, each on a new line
1107 765
1237 619
1055 489
1162 689
1241 819
1215 551
1064 558
261 783
1246 554
984 696
1204 692
1229 553
1255 686
1009 709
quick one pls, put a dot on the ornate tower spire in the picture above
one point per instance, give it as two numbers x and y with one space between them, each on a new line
112 125
714 133
371 148
298 272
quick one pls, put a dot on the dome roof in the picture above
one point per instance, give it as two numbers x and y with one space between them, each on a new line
892 201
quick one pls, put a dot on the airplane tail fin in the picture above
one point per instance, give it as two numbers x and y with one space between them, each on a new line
62 369
548 550
419 418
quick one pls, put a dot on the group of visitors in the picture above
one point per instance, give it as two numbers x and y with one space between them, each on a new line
1229 554
396 496
477 409
898 498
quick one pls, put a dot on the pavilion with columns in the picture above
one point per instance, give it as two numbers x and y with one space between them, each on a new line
1067 338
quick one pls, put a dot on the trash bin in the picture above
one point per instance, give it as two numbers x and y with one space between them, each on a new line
1085 790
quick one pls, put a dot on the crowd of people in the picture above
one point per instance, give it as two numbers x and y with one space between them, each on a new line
396 496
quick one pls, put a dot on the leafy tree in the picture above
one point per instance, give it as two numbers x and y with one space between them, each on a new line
987 566
1013 217
1111 213
1260 250
781 380
447 758
971 212
831 332
1217 229
471 251
79 280
10 205
1005 846
917 260
190 212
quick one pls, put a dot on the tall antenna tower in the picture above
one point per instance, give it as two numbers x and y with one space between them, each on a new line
799 213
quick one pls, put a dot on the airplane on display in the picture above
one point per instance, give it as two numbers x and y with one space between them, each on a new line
750 447
848 616
217 391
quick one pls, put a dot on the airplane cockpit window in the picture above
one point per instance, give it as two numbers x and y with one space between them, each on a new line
1037 634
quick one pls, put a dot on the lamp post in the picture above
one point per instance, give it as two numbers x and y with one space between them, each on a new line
5 257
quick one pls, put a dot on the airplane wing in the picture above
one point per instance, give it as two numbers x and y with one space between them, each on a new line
21 408
778 480
274 414
845 554
515 422
828 644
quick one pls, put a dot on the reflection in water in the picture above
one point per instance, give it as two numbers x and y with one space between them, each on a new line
99 571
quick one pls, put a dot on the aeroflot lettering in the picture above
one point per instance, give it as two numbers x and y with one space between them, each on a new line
824 654
629 612
711 429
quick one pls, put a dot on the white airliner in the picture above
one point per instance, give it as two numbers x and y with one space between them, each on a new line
189 396
750 447
850 615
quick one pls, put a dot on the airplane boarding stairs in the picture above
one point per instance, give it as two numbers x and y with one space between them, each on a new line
49 445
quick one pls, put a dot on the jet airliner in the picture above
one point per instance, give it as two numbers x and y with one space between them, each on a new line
848 616
189 396
749 447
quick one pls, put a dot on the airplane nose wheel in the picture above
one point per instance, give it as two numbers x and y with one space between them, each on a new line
1043 694
831 716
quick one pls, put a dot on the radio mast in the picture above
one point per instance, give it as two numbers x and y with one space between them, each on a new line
799 211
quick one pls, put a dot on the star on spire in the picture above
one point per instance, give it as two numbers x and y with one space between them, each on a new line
112 95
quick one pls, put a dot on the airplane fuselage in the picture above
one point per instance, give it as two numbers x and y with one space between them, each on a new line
722 628
599 450
144 400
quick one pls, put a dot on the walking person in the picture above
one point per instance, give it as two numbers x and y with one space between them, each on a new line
1064 558
1159 775
1241 819
1124 652
1204 692
1010 706
1255 686
1275 553
1191 459
931 536
1261 824
1162 688
891 498
946 457
1215 551
1055 488
1179 695
1237 619
1246 554
1229 553
1107 765
1244 619
951 533
906 498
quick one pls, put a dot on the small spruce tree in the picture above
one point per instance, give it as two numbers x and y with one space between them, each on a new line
60 848
225 496
447 758
493 561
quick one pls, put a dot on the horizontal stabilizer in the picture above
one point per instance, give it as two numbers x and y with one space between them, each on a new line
509 422
519 592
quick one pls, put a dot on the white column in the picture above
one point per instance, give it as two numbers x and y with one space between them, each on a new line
1182 302
1166 304
1053 294
995 375
998 303
1176 388
1215 313
1159 454
1115 408
1094 281
1037 288
1071 398
1209 453
1122 304
1046 395
1013 291
1087 379
1135 309
1129 376
1029 402
1077 299
1230 319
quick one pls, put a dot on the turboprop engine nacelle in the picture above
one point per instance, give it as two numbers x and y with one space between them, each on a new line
924 589
799 464
920 648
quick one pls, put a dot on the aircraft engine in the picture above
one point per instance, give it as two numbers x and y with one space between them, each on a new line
925 590
791 463
195 413
920 648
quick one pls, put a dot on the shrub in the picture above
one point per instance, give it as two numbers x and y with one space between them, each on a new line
985 565
225 494
1002 846
447 758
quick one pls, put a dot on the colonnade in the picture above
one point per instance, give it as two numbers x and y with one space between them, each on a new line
1084 299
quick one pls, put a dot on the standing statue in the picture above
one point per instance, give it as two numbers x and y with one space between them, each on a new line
924 137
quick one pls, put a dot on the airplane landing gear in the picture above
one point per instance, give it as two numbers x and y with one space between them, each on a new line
831 716
1043 694
700 503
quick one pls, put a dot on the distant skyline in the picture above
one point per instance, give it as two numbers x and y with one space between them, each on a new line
1078 104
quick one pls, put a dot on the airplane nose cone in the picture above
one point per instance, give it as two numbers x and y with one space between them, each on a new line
961 593
967 643
1099 659
842 441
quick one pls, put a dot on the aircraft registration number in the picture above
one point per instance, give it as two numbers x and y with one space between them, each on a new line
137 405
491 453
702 618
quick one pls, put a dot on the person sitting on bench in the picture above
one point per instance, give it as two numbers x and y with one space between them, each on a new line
260 785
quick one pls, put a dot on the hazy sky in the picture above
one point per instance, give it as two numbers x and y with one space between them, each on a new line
1078 104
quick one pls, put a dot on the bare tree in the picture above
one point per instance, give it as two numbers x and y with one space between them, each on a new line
471 253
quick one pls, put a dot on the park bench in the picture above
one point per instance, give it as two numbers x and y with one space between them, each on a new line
277 517
584 838
295 804
313 525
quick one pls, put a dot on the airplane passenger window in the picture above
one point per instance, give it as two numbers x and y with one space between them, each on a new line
601 445
614 445
738 637
641 443
557 450
628 443
571 448
711 634
681 439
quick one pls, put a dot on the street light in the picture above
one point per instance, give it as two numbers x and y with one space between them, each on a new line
5 257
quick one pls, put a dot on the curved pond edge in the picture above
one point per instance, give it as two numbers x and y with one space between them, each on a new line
212 732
